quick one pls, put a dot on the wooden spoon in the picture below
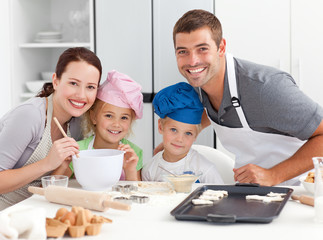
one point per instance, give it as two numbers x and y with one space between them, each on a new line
62 130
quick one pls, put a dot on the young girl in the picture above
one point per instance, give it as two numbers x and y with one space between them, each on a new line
180 112
119 102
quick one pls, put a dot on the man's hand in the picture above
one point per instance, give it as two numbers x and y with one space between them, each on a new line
251 173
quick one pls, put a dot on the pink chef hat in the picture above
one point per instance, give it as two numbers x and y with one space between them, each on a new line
121 91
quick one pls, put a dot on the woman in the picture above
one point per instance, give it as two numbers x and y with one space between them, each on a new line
31 144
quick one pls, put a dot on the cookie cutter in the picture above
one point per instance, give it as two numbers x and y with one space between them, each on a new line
139 199
132 198
123 200
124 188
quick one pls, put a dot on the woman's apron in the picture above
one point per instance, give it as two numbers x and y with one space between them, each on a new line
40 152
263 149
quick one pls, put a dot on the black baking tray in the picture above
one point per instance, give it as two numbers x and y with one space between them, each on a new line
233 208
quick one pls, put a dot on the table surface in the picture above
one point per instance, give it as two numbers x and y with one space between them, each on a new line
152 220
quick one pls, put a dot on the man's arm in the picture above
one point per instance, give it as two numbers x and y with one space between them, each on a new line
297 164
205 121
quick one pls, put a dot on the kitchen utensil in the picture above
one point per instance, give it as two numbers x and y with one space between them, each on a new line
62 130
132 198
46 75
57 180
48 37
124 188
98 169
139 199
182 183
167 171
122 199
307 185
233 208
35 86
304 199
77 197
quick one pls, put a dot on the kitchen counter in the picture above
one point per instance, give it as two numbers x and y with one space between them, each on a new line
152 220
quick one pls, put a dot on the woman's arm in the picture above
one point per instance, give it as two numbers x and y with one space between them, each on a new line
13 179
20 133
64 168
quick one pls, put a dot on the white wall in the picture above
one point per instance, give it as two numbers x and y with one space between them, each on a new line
5 89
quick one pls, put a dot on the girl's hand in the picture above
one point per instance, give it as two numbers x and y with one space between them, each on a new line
130 161
61 150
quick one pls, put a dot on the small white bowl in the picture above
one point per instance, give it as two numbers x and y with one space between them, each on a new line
98 169
182 183
57 180
307 185
46 75
35 86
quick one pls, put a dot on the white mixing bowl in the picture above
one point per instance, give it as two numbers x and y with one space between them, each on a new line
98 169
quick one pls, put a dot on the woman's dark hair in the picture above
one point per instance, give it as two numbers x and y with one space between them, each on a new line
76 54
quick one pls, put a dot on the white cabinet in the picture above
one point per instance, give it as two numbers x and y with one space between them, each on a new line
257 31
124 43
135 37
285 34
123 39
30 54
261 35
5 58
165 15
307 48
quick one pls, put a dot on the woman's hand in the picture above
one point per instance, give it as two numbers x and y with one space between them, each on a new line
61 152
130 161
64 168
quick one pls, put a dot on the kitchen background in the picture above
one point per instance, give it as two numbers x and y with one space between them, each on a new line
135 37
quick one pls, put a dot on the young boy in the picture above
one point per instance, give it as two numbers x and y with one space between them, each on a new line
180 112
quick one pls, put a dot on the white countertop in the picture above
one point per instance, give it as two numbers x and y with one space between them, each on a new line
152 220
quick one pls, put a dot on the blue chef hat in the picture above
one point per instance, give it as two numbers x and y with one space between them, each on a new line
179 102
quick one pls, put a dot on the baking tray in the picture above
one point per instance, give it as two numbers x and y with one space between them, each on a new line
233 208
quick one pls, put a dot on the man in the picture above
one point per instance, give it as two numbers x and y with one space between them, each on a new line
257 112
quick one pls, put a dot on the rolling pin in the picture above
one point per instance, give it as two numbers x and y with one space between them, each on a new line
304 199
78 197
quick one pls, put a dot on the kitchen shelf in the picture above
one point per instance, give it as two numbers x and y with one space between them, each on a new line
55 45
33 53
